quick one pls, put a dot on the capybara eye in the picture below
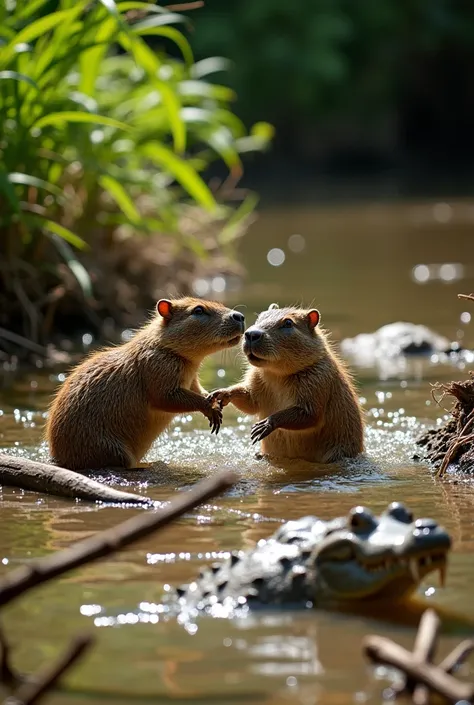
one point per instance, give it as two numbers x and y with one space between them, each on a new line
198 311
288 323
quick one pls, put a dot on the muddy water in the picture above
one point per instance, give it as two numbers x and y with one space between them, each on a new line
363 266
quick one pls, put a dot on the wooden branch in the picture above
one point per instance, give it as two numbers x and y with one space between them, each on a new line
466 296
425 649
382 650
457 656
50 479
185 6
107 542
32 691
7 674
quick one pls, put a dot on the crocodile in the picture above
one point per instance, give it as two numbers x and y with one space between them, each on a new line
312 563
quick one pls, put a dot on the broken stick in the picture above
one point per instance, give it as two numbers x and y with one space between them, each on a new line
107 542
382 650
32 691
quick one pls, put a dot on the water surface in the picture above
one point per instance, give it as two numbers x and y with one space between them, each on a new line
360 265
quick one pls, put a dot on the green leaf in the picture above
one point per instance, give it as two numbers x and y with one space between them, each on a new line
150 63
33 31
17 77
29 9
90 61
173 108
213 64
28 180
232 227
202 89
221 142
215 118
77 269
121 197
172 34
7 188
136 5
65 234
263 130
183 173
71 116
164 18
110 6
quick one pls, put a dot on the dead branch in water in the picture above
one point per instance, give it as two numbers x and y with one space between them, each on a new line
51 479
107 542
466 296
421 676
33 690
8 675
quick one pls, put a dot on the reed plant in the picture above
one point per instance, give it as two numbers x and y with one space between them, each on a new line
107 124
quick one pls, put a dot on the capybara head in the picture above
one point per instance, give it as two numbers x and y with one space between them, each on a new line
196 327
284 340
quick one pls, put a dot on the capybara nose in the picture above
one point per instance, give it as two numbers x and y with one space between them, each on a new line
252 335
237 316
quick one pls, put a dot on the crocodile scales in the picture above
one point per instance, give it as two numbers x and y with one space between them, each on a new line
311 562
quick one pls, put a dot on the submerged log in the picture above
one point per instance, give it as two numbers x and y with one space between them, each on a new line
51 479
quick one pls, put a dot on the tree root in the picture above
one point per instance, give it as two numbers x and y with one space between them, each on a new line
453 443
41 477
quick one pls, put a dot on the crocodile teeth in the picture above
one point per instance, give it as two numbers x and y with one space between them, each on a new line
442 575
413 565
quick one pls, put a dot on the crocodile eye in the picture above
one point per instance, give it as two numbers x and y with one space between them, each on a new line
288 323
342 551
360 519
398 511
198 311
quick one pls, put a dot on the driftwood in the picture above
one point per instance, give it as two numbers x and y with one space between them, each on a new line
107 542
421 676
50 479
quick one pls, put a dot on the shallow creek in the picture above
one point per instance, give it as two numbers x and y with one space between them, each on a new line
363 266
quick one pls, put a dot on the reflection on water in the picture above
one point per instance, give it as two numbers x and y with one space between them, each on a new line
363 266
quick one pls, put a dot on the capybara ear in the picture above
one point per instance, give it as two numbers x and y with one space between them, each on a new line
272 307
313 318
165 308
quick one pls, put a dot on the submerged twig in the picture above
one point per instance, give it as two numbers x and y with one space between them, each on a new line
8 676
466 296
107 542
23 342
32 691
421 676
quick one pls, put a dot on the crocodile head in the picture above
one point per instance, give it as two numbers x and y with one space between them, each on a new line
364 556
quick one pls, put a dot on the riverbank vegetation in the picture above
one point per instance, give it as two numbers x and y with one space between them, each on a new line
105 147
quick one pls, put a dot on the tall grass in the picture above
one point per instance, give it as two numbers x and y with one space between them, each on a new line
98 131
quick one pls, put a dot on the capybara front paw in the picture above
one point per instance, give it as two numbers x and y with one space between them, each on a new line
219 396
214 415
261 430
